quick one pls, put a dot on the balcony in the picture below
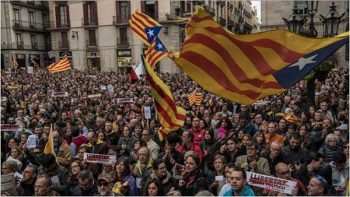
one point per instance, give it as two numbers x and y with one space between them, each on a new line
29 26
222 21
32 4
122 43
230 23
63 45
89 24
61 27
20 45
91 46
120 21
35 46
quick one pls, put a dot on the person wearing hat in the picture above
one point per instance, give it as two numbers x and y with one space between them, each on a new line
104 185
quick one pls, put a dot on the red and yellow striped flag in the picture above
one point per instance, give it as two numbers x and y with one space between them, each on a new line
195 97
138 24
245 68
155 52
60 66
171 116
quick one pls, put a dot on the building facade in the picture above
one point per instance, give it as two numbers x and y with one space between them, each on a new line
96 34
272 13
24 33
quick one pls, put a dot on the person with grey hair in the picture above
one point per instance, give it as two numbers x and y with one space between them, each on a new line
43 185
330 148
9 167
26 187
87 185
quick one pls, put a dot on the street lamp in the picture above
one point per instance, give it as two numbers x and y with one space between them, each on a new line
295 22
311 10
331 21
75 34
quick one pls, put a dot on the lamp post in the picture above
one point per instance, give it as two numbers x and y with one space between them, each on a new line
75 35
311 10
331 21
295 21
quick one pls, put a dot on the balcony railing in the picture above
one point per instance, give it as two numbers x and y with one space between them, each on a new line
63 45
29 26
222 21
14 45
230 23
119 21
91 45
32 4
53 26
123 43
89 23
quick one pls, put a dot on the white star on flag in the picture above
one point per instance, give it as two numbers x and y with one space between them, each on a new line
150 32
302 62
160 46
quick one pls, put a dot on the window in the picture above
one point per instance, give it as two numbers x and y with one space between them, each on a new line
124 10
33 39
92 38
19 40
123 35
91 12
47 42
63 15
45 20
31 19
16 15
64 37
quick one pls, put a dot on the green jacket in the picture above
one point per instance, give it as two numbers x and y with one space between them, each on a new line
262 166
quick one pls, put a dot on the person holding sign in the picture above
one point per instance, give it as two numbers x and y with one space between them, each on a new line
238 180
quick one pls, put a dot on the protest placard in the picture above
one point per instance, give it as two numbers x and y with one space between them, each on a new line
59 94
110 88
94 95
147 111
125 100
30 70
98 158
7 183
18 178
270 183
103 87
9 127
31 141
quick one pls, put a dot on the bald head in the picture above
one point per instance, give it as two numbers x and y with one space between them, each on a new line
283 171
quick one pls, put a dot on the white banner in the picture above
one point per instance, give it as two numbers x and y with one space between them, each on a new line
30 70
98 158
147 111
59 94
31 141
271 183
7 183
9 127
94 95
125 100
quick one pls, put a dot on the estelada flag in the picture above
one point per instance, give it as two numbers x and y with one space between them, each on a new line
245 68
145 27
171 117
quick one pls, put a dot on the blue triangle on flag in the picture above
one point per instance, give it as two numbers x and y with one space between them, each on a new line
159 46
152 32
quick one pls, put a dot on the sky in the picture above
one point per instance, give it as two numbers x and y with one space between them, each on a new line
257 4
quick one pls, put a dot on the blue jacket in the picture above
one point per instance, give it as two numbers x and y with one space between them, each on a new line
247 191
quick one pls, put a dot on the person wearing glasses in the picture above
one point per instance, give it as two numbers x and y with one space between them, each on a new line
26 187
317 186
87 185
274 156
104 185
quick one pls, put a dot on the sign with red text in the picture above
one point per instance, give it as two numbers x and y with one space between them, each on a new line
98 158
9 127
271 183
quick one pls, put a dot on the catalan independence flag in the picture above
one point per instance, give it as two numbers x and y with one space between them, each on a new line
245 68
144 27
195 97
171 116
60 66
155 52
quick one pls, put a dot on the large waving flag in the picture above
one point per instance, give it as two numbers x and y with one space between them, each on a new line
245 68
60 66
171 116
155 52
144 27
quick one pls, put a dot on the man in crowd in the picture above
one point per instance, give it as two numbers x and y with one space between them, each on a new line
238 180
104 185
87 185
43 186
26 187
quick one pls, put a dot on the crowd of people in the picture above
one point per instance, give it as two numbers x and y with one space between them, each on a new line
281 136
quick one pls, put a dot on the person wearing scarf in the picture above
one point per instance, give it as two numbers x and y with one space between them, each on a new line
161 173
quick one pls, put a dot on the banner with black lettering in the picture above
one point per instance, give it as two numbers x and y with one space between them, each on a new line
271 183
98 158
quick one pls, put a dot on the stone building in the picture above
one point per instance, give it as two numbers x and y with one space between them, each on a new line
96 34
24 33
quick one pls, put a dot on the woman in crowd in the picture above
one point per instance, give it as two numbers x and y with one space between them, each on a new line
216 179
153 188
125 183
161 173
209 147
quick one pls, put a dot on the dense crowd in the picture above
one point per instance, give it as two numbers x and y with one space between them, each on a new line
281 136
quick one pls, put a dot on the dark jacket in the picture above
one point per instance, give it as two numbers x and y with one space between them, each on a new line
273 162
294 156
78 191
194 183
